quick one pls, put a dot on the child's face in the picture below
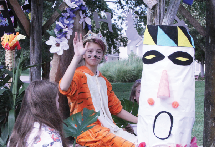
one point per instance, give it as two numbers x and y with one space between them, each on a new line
137 94
93 55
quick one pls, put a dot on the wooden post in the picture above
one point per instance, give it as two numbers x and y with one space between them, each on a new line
36 39
209 102
20 16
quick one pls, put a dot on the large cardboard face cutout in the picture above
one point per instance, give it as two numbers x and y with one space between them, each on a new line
167 100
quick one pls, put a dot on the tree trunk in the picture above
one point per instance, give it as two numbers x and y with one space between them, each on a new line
171 12
209 101
202 68
159 12
149 16
63 63
45 70
36 39
45 62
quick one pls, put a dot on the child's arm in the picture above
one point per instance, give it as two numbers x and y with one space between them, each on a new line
79 52
127 116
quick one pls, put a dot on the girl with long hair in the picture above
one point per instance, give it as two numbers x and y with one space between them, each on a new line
39 122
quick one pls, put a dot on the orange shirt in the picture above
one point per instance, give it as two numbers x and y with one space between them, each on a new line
79 95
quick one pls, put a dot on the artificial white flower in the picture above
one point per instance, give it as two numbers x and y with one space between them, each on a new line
57 45
71 5
84 19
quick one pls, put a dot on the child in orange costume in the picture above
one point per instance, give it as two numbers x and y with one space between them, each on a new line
85 87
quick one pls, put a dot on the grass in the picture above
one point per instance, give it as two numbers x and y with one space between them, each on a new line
122 91
199 119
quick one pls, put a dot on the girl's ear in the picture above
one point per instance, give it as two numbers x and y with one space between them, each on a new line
84 56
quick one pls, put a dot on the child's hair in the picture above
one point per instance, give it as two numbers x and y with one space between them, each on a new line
99 42
38 105
133 90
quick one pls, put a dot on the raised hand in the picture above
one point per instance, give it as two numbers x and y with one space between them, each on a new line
78 45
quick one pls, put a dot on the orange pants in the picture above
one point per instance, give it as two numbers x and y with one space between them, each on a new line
100 136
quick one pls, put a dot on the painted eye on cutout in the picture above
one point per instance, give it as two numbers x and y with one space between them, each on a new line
181 58
150 57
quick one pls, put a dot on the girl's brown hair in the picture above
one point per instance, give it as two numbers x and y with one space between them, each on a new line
133 90
38 105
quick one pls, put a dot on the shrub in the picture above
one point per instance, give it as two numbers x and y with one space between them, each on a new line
127 70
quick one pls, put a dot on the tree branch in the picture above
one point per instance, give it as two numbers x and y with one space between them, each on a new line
54 16
192 20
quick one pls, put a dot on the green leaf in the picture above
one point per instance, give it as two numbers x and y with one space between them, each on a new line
127 105
10 73
24 86
1 91
4 133
119 121
6 80
76 124
2 117
25 68
51 33
135 109
131 107
11 121
1 142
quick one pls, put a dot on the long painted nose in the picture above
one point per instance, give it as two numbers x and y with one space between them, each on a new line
163 89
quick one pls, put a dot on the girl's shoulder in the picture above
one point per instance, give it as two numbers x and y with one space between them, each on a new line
45 136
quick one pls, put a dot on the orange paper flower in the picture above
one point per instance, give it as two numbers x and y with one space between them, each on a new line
10 42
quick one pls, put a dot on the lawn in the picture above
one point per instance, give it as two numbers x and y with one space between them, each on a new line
122 91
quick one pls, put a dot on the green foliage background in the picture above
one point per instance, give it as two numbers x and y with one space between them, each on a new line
127 70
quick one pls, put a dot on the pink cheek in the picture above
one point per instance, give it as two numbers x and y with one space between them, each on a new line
175 104
150 101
